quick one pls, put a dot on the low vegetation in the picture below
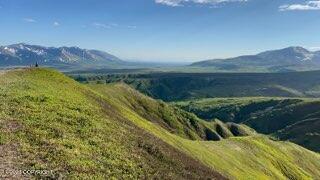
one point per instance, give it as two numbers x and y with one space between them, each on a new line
99 131
173 119
63 126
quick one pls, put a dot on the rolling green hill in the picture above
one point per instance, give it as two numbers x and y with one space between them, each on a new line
52 122
48 121
183 86
296 120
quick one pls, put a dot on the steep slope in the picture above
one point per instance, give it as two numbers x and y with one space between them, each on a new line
25 55
287 59
268 159
305 132
172 119
296 120
54 123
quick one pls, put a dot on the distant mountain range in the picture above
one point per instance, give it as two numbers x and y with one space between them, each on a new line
283 60
288 59
25 55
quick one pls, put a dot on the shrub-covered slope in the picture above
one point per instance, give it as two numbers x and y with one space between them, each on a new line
187 86
48 121
296 120
305 133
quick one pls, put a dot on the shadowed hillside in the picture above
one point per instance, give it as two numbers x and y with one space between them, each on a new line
305 133
296 120
49 121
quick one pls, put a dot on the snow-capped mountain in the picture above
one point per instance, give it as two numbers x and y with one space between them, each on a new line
288 55
24 54
291 58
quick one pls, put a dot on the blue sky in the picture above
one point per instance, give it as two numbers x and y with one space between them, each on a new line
163 30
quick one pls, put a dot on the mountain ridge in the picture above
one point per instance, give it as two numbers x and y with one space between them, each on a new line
286 59
23 54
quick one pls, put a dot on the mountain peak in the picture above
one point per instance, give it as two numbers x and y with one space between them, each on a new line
19 44
290 54
291 49
297 49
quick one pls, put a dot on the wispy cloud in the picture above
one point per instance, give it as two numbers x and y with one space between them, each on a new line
56 24
175 3
29 20
132 27
111 25
172 3
105 25
308 5
101 25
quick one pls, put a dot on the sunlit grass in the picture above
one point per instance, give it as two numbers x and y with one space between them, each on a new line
254 157
89 132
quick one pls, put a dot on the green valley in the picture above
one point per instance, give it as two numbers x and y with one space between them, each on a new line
284 105
49 121
171 86
291 119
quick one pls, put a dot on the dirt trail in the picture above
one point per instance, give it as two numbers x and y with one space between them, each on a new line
9 156
2 72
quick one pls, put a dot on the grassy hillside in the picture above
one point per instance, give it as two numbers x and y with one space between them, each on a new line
182 86
48 121
227 156
52 122
173 119
296 120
